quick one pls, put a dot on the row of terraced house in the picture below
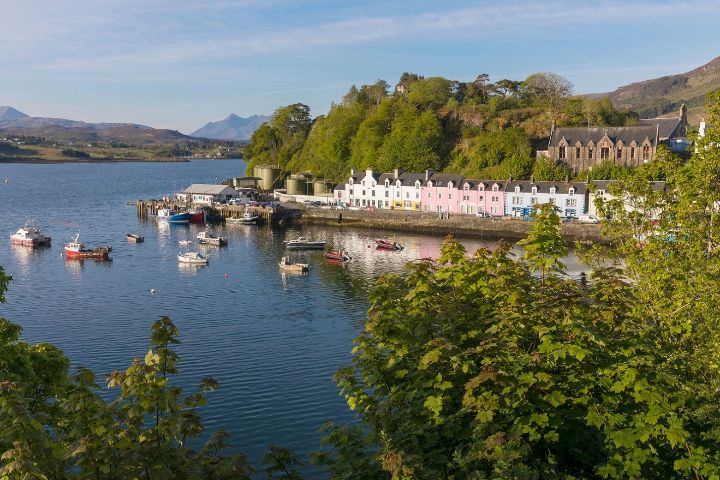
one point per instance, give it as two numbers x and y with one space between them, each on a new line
451 193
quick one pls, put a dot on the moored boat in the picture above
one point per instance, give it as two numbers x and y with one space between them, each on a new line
135 238
247 218
173 217
209 238
302 243
289 266
197 215
338 256
195 258
385 245
185 242
29 236
76 249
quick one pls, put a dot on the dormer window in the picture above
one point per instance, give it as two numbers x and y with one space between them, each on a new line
352 181
552 190
387 183
571 191
534 189
517 189
467 187
495 188
417 184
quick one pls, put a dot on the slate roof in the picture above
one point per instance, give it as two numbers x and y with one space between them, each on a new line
666 126
206 189
408 178
339 186
475 184
544 187
444 178
573 135
387 176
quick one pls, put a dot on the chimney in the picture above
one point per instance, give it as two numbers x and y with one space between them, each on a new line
701 130
368 172
352 172
398 171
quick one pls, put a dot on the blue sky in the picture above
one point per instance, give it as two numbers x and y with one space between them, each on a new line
181 63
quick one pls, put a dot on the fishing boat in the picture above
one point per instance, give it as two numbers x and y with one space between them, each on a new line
195 258
135 238
209 238
197 215
29 236
385 245
338 256
288 266
302 243
247 218
76 249
171 216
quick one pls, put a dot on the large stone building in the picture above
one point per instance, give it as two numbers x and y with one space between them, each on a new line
582 148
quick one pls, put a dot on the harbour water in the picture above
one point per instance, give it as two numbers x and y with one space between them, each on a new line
272 341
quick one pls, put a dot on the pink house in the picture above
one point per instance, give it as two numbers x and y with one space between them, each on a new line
441 193
482 196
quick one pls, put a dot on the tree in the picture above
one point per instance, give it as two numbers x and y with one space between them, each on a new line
546 169
544 245
548 88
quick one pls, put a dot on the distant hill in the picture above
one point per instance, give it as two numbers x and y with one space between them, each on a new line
9 113
664 95
232 128
13 122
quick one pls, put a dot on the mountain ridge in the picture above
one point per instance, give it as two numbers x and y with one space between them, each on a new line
664 95
232 127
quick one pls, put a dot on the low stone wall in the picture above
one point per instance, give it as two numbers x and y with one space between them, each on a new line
457 225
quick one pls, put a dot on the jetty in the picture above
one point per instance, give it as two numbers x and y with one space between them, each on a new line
270 215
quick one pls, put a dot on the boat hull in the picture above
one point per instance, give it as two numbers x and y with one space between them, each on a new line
305 246
100 254
30 242
176 218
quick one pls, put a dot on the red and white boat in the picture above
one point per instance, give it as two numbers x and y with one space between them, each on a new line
197 215
75 249
29 236
338 256
385 245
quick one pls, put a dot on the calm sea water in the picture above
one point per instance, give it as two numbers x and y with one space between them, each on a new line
272 341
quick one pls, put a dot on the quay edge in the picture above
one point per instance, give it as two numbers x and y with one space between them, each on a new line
456 225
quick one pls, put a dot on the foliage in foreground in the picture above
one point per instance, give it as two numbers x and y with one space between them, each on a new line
491 367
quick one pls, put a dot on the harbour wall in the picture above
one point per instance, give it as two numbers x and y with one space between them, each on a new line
456 225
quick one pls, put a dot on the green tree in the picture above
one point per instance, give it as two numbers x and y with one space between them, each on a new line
546 169
544 245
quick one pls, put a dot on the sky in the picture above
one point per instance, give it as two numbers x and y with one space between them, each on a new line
181 63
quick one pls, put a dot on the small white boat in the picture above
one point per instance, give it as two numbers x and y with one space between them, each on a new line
289 266
209 238
185 242
29 236
195 258
135 238
302 243
247 218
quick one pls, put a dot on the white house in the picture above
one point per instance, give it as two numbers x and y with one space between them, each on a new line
600 193
206 194
569 197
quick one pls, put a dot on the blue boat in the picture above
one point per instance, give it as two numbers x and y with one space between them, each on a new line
173 217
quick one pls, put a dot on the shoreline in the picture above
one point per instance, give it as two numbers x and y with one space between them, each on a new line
43 161
455 225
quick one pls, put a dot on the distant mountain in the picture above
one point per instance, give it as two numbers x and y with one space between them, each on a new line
13 122
664 95
9 113
232 128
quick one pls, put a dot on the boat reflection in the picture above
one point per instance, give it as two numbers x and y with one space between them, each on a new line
26 255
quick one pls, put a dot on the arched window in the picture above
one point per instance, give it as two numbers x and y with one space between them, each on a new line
619 153
646 152
561 152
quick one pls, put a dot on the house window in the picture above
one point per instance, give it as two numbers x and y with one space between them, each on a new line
604 153
561 153
417 194
619 153
517 201
646 152
577 152
495 188
480 198
534 189
363 183
351 191
533 200
397 194
363 193
373 203
428 194
439 195
632 153
407 194
407 203
571 202
450 196
372 193
590 153
552 190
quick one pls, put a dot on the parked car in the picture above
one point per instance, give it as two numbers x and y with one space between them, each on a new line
483 215
588 219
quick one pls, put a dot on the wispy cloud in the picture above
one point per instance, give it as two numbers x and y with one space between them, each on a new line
129 33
